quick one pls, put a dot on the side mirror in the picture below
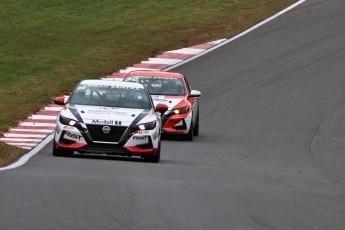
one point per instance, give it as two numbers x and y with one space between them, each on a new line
162 108
195 93
59 101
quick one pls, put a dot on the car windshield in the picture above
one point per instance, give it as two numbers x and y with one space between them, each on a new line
111 96
160 85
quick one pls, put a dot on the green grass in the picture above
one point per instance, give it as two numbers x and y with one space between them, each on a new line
47 46
9 154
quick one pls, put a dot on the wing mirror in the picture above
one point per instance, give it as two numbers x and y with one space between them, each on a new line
195 93
59 101
161 108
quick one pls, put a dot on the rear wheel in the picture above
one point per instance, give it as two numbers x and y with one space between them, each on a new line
61 152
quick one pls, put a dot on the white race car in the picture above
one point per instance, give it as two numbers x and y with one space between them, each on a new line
109 117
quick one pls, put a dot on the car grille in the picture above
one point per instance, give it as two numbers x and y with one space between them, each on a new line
114 135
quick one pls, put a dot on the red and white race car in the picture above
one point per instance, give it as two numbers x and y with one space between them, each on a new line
173 90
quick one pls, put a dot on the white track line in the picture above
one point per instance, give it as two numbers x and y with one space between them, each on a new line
31 153
239 35
217 41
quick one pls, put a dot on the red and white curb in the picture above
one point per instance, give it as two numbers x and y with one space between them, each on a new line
167 59
32 131
36 128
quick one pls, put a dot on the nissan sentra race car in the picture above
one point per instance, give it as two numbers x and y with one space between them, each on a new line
109 117
173 90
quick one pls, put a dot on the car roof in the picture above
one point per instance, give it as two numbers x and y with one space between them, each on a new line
113 83
155 74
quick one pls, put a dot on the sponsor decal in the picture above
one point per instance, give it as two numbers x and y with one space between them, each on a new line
58 130
105 111
105 122
72 136
156 97
65 108
107 86
140 138
151 77
143 132
155 135
174 97
160 100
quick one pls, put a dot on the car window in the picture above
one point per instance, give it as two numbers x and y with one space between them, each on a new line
160 85
111 97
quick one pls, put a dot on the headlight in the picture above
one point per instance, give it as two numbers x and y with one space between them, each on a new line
182 110
66 121
147 126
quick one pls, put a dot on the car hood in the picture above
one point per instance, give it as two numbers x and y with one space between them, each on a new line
107 115
170 101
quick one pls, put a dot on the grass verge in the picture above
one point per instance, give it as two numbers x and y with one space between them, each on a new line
47 46
9 154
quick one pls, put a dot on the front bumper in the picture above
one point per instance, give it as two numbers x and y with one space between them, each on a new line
140 143
177 123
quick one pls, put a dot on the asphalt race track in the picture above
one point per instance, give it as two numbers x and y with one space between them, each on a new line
270 155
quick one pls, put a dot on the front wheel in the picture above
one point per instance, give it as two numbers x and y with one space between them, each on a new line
196 126
189 135
61 152
155 158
